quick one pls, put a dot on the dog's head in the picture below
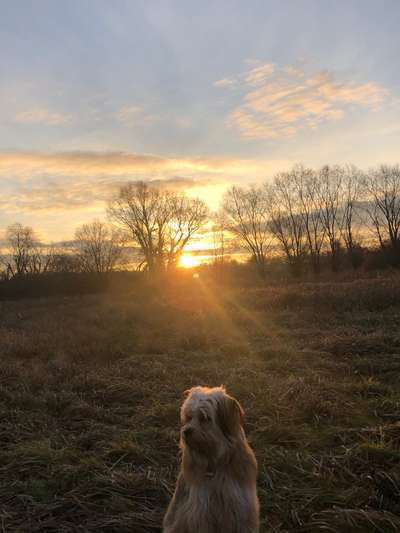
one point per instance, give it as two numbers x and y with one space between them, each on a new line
211 421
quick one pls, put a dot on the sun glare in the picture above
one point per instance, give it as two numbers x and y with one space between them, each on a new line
188 261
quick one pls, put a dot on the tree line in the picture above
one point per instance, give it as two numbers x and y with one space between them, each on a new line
301 216
157 223
305 213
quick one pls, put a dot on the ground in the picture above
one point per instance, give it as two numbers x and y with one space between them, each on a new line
90 389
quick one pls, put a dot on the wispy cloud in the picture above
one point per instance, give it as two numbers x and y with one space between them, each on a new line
279 102
257 75
225 82
121 163
128 115
86 180
42 116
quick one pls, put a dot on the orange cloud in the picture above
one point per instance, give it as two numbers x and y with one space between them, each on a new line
86 180
123 163
259 75
279 102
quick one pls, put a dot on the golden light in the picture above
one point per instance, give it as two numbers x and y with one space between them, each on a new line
188 261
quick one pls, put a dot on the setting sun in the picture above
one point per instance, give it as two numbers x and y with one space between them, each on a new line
188 261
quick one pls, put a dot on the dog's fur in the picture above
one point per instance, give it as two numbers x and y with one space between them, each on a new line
216 488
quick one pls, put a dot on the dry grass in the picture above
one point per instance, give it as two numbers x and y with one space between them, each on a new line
90 390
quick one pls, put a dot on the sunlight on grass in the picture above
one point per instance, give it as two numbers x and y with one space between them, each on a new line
315 366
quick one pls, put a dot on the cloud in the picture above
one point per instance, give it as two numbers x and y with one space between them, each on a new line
255 76
68 181
278 103
259 75
42 116
120 164
77 163
130 115
89 194
225 82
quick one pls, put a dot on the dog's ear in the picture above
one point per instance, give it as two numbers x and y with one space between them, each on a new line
230 415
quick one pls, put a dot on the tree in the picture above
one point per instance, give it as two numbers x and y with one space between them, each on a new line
246 213
161 222
286 219
186 217
22 242
352 188
307 189
99 247
330 204
382 186
65 261
26 254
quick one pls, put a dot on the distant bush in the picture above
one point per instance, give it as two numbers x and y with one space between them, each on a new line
64 284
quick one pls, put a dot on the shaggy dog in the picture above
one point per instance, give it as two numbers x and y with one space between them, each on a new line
216 488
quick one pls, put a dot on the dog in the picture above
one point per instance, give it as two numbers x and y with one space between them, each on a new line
216 488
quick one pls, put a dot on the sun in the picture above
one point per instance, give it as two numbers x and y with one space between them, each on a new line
188 261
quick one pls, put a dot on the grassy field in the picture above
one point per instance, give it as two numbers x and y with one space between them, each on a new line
90 390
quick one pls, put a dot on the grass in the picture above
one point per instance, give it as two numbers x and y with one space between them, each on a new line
90 390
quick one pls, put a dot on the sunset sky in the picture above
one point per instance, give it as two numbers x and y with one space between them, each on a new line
201 94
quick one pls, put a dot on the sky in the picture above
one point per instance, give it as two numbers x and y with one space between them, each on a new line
201 95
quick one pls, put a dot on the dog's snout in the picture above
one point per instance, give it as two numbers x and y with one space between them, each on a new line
187 432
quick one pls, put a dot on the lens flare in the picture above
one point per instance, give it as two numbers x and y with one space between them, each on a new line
188 261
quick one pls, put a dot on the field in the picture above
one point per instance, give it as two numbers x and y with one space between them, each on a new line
90 389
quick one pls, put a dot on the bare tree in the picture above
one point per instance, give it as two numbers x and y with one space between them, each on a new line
22 242
383 204
26 254
186 217
99 247
286 219
160 222
307 189
330 203
65 261
352 189
246 213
